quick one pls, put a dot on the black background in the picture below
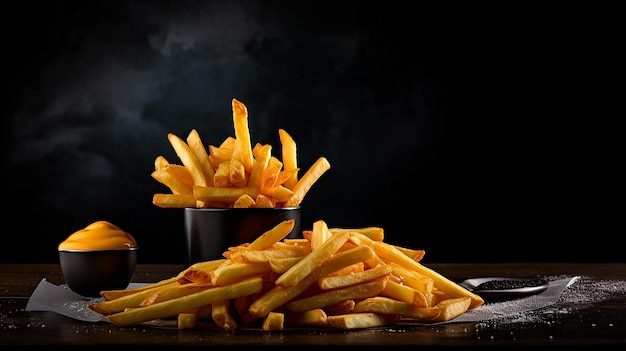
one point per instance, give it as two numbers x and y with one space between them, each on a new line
480 134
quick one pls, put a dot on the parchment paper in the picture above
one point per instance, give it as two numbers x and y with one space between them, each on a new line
60 299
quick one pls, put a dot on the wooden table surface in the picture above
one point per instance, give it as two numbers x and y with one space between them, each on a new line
594 316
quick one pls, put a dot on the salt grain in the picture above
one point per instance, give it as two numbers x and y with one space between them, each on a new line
584 291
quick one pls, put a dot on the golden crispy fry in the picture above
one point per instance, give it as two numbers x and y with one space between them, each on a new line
213 194
187 320
160 162
259 167
271 176
280 265
243 145
305 183
197 148
188 158
272 236
174 292
416 255
340 281
237 176
263 201
404 293
273 321
290 159
380 304
173 307
362 320
221 178
117 293
279 194
221 315
231 272
451 288
266 255
284 175
452 308
131 300
413 279
174 200
320 234
244 201
374 233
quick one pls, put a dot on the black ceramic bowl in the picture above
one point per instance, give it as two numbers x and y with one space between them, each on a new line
211 231
88 272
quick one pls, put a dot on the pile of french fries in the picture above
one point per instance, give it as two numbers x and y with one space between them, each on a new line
235 173
335 278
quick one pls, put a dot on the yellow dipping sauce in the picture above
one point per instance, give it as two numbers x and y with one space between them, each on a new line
100 235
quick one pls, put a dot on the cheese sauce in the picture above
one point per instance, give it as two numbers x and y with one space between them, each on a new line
100 235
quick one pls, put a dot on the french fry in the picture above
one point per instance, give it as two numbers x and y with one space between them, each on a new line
243 145
160 162
340 281
272 236
271 177
305 183
280 194
237 176
263 201
173 307
131 300
221 178
380 304
374 233
213 194
362 320
404 293
290 159
236 271
452 308
320 234
188 158
174 292
273 321
413 279
174 200
187 320
244 201
259 256
259 167
280 265
197 148
221 315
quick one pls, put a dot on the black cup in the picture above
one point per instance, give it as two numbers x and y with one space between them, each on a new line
211 231
88 272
